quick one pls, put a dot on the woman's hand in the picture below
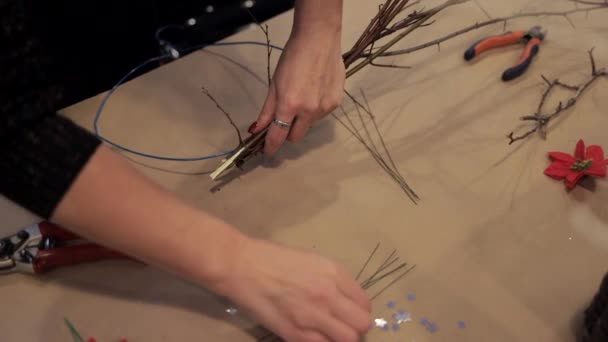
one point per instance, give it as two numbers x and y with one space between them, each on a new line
298 295
308 82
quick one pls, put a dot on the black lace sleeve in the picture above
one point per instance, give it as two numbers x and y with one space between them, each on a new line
41 153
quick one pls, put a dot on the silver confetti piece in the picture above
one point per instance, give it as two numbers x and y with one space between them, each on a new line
402 317
380 323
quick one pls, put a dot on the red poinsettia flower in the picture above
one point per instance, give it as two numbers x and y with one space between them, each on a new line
585 162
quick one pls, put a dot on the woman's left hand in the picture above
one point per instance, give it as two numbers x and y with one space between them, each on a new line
307 85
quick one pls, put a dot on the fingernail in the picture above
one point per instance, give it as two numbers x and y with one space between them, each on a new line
252 128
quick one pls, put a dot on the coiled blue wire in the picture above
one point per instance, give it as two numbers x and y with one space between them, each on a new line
109 94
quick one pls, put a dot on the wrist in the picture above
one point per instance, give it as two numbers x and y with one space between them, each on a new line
322 16
214 250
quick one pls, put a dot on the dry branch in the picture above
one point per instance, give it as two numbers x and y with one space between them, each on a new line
371 147
379 28
269 49
541 121
584 2
504 20
264 29
225 113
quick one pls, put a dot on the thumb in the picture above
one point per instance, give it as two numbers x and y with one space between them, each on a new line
267 114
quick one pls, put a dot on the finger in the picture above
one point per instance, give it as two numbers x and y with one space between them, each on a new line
268 109
277 135
311 336
317 318
352 314
352 290
335 329
300 127
269 318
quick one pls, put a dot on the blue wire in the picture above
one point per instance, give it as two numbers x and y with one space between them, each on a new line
136 69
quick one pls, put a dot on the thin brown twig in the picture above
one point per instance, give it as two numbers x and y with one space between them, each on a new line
377 276
483 9
381 277
381 162
354 132
394 170
386 150
372 278
225 113
584 2
373 120
393 282
541 121
593 67
371 255
264 29
386 261
570 21
369 137
380 65
269 49
559 83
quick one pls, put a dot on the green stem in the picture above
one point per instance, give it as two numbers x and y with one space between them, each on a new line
77 337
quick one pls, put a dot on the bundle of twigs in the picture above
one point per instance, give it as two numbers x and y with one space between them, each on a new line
384 271
385 24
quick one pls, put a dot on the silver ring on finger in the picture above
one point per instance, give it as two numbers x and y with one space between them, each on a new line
281 123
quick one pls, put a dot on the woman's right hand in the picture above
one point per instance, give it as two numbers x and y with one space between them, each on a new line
298 295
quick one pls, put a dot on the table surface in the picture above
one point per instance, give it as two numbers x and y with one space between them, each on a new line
497 244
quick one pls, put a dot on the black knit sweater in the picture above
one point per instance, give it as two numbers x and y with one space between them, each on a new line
55 53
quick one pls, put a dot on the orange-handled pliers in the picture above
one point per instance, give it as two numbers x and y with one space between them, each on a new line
531 39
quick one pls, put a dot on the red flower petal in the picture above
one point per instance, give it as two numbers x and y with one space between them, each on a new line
561 156
596 169
596 153
573 178
558 170
580 150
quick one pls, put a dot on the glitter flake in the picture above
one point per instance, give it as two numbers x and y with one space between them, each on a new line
402 317
432 327
381 323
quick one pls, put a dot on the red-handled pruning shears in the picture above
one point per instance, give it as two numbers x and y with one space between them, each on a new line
45 246
531 39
